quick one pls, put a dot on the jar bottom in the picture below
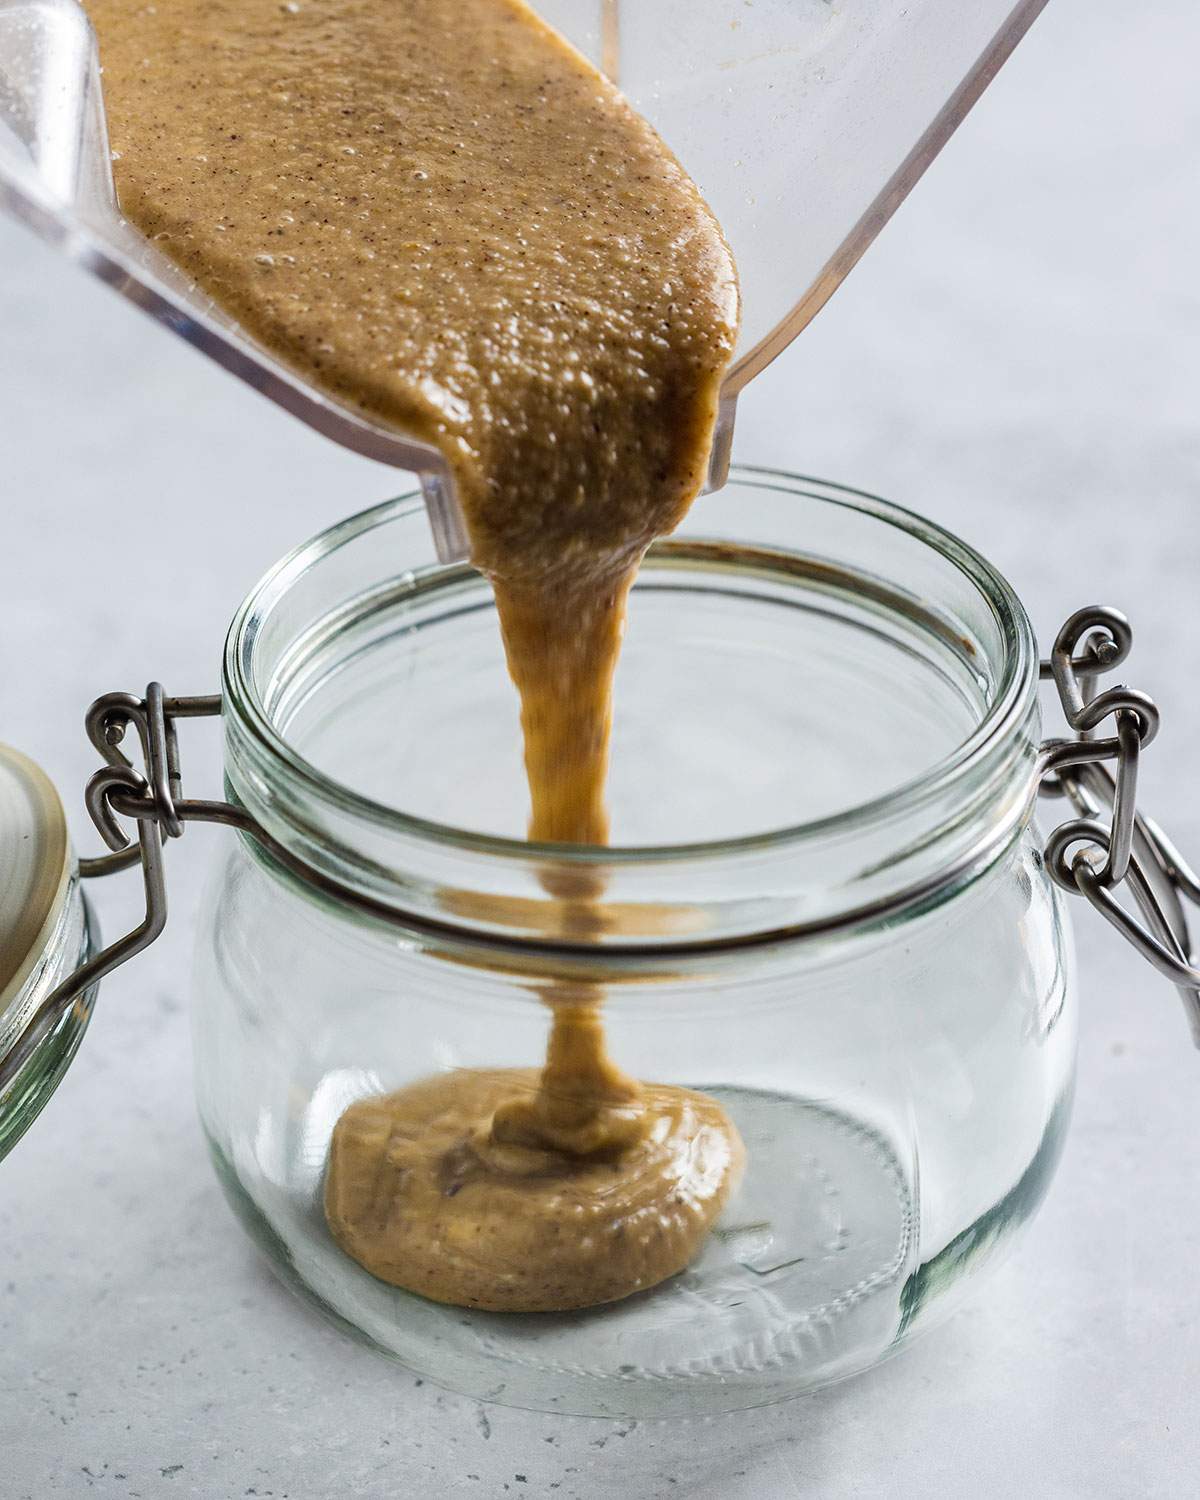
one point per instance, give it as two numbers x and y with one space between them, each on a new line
793 1289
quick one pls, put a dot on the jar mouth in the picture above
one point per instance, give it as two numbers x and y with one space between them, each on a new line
949 593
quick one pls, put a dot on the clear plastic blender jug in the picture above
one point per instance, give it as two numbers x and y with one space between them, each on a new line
804 122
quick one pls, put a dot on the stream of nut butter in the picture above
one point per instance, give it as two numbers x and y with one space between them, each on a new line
442 215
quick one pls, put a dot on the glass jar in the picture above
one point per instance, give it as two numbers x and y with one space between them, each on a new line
825 906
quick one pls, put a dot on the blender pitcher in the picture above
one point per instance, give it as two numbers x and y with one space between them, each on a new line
803 122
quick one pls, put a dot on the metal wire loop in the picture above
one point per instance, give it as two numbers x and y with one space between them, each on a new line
107 721
1109 844
153 801
1125 703
1059 755
101 788
1102 636
1088 838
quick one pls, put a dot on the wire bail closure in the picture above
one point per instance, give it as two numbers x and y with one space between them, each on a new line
152 801
1110 843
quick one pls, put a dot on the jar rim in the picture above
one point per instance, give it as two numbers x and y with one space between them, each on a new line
1008 710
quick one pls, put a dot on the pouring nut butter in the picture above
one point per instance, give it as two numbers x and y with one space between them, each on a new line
442 215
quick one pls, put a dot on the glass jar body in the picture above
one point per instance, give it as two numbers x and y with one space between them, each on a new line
902 1094
865 961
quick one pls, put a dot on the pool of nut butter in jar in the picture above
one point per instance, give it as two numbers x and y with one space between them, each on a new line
444 216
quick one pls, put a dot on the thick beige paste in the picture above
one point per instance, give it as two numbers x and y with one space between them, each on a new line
431 1198
444 216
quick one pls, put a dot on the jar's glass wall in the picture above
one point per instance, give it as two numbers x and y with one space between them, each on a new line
901 1098
876 986
799 659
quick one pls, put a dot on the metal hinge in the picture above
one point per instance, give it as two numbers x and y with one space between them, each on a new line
1110 844
153 799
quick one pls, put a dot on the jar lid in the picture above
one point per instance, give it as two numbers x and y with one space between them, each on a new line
35 867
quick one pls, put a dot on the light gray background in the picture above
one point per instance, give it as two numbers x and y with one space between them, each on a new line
1019 357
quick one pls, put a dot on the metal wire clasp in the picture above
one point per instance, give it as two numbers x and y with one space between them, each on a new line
153 800
1110 843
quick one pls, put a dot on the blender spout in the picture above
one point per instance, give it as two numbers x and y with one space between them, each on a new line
446 519
722 442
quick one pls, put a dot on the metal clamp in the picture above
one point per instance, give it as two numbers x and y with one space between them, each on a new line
153 799
1110 843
